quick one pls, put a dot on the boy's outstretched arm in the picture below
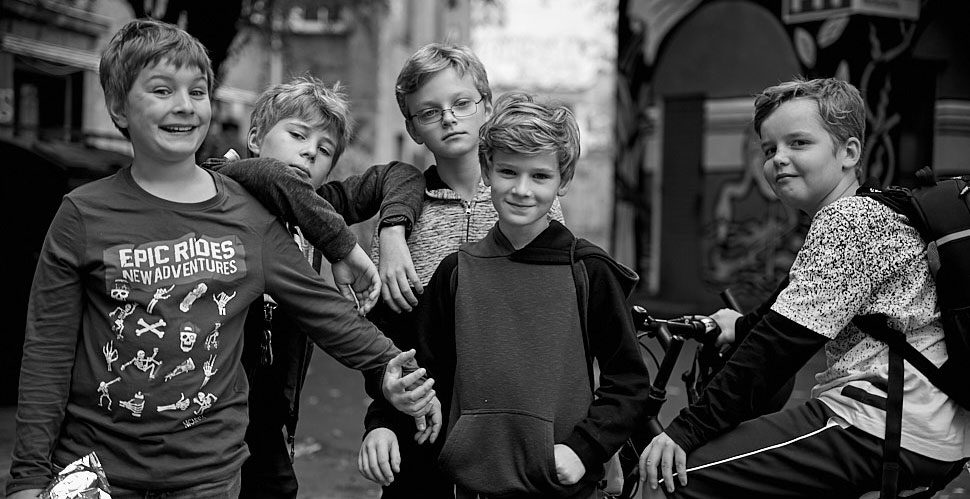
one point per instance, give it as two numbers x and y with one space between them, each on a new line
288 193
397 189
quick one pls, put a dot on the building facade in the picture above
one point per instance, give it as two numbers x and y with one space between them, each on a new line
693 213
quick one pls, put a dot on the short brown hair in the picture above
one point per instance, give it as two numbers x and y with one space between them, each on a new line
521 125
142 43
840 105
307 98
434 57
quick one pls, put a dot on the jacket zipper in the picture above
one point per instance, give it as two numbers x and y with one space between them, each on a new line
468 218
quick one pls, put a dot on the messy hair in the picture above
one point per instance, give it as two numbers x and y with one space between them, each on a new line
840 105
522 125
309 99
435 57
142 43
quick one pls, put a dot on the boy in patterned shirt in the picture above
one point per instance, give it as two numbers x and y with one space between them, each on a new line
859 258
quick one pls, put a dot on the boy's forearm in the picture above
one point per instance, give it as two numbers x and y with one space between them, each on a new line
289 195
328 319
392 189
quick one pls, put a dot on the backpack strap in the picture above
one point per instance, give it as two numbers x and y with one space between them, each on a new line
581 278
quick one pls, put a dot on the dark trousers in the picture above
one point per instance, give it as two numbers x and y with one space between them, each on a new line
221 489
794 453
268 473
419 476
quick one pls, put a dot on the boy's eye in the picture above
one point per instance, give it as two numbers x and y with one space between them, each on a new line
161 91
429 114
325 151
768 151
462 105
199 93
541 176
296 135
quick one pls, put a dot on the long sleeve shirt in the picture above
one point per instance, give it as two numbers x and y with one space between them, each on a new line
323 215
135 330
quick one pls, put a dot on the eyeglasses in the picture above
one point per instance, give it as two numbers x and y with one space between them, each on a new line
460 109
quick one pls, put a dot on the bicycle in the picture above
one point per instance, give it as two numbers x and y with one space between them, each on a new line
672 335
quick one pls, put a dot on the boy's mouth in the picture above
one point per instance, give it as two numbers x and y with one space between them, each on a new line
452 134
177 128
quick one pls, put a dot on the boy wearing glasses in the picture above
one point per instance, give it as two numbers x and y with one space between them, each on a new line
443 93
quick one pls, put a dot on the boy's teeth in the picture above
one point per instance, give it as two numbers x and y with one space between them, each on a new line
177 128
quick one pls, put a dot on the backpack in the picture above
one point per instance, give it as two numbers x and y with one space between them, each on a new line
940 211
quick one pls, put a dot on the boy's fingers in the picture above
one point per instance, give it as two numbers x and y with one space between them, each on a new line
397 295
367 303
413 279
400 360
405 294
421 436
435 417
420 423
364 465
374 289
423 405
395 457
667 465
680 463
347 292
414 377
389 299
383 464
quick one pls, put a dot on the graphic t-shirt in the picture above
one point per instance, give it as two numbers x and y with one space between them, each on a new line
859 258
136 320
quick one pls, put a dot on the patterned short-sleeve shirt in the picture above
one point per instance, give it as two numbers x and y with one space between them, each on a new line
860 257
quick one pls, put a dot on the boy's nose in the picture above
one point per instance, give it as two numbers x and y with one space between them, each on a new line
448 116
780 158
183 102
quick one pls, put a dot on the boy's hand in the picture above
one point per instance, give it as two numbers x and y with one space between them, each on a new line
725 319
397 270
569 468
379 457
665 454
404 393
433 427
357 279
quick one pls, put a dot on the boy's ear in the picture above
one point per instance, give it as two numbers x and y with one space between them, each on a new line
117 112
415 136
564 188
485 179
251 143
853 152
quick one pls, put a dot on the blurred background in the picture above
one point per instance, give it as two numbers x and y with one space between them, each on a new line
670 176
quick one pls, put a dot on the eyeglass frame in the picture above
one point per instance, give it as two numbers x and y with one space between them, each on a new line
441 115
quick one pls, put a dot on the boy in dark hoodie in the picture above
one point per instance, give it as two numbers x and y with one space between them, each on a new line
510 326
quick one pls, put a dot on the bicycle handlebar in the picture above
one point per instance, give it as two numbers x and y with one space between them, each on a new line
693 327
